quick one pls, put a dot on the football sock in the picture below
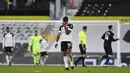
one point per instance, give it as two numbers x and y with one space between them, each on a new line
71 60
83 58
10 58
80 58
7 59
65 58
45 58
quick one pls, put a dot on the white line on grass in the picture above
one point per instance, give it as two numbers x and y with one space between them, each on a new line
37 71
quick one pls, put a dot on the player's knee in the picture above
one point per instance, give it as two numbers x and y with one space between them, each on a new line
38 53
110 56
64 53
35 54
84 55
46 56
68 52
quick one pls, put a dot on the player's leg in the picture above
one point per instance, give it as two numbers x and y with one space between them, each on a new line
69 53
80 58
41 58
83 52
70 57
6 50
36 53
10 55
38 57
83 56
66 60
34 57
44 57
109 54
106 57
64 53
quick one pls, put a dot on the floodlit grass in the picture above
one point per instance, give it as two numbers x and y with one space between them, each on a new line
60 69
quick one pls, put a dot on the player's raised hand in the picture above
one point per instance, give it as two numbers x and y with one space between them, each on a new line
41 27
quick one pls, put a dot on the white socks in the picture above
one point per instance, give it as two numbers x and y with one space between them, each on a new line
71 60
43 60
8 58
66 59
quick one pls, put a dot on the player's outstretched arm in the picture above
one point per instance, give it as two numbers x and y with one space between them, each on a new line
113 39
30 44
41 29
57 39
3 43
13 40
103 36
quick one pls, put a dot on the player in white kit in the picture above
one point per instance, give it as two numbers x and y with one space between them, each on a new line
65 33
8 45
44 50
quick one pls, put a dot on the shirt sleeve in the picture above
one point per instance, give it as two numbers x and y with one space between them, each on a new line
30 42
103 36
13 39
112 37
41 45
3 41
60 29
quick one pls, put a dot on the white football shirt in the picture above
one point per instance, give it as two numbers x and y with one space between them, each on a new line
8 40
44 45
64 36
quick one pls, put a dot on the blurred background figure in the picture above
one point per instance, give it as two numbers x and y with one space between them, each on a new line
29 2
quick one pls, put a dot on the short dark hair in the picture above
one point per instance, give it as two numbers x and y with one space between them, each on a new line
36 31
7 27
65 18
84 27
110 27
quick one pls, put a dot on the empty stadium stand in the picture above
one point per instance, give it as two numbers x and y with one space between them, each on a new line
104 8
39 7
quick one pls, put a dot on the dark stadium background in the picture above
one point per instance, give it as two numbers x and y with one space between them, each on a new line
41 7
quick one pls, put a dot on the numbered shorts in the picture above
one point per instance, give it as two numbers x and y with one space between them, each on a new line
8 49
66 45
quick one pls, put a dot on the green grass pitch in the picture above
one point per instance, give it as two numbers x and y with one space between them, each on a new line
60 69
